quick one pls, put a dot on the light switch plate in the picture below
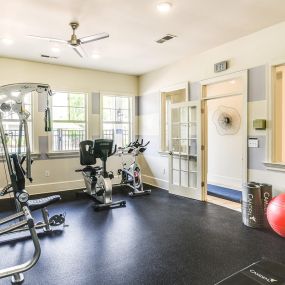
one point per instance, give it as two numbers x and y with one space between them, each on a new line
253 142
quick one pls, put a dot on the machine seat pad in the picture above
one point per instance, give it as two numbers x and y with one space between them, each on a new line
37 204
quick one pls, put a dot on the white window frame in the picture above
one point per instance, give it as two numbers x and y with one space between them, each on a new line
50 139
162 119
131 111
270 135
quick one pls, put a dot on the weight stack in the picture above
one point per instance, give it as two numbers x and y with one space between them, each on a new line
266 196
252 206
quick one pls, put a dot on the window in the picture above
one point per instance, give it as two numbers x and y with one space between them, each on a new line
278 114
168 98
11 126
69 120
117 119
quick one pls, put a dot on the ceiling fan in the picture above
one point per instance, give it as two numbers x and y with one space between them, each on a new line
74 42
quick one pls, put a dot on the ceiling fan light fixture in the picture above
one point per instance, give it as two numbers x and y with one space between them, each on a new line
7 41
75 43
164 7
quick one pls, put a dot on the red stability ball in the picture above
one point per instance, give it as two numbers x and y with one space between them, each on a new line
276 214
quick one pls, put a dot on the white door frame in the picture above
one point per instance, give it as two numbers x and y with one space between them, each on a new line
244 76
187 191
162 91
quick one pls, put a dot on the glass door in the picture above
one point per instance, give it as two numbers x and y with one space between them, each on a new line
185 150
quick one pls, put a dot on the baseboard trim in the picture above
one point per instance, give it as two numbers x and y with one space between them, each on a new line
156 182
54 187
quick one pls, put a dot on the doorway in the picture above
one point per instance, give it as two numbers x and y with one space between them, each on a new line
224 138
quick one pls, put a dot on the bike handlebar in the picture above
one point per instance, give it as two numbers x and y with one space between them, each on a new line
115 150
146 144
134 145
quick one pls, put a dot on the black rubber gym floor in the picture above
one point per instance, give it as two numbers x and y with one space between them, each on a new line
156 239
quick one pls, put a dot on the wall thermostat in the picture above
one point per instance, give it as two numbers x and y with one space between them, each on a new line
253 142
259 124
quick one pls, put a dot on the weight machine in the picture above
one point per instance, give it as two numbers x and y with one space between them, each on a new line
12 101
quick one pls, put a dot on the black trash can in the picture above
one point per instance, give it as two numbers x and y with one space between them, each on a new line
252 206
266 196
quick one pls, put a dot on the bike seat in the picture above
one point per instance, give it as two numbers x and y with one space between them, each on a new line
37 204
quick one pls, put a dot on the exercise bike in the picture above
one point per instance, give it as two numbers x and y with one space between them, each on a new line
131 175
98 179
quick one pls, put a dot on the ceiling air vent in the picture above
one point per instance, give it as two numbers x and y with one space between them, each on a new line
48 56
166 38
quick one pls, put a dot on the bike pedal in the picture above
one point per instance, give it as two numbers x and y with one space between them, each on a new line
57 220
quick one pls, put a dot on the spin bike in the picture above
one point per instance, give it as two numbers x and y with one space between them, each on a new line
98 179
23 219
131 175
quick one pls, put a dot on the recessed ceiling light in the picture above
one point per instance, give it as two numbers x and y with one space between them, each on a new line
7 41
55 49
96 55
164 7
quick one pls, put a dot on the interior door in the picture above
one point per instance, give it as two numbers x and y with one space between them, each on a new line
185 150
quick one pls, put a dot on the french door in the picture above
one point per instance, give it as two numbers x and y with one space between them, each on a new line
185 150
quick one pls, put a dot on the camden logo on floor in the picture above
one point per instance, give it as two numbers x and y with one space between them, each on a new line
262 277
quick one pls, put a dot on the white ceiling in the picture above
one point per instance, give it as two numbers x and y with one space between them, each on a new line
134 26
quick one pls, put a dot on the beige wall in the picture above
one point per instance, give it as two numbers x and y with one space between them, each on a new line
251 51
66 78
62 78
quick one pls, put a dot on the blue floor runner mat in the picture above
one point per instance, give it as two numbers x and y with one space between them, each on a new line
225 193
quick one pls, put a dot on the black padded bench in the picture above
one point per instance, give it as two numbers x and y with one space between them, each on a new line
41 203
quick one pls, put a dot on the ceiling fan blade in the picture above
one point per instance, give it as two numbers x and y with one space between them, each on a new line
47 39
93 38
79 50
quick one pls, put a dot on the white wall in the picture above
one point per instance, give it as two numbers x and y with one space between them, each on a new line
224 151
251 51
61 78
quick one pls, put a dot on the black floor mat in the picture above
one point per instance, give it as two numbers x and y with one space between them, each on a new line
158 239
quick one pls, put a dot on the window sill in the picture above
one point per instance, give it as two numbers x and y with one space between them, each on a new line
62 154
34 156
275 166
50 155
163 153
